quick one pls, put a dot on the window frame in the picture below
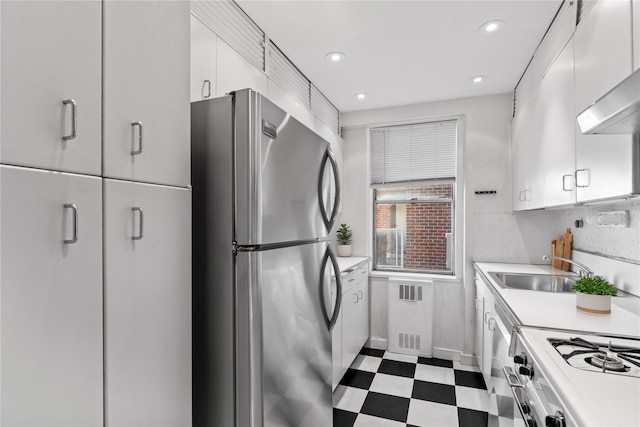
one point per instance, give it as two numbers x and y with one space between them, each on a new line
458 230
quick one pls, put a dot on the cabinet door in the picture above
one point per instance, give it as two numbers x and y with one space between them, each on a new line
355 322
349 327
146 91
362 325
479 306
147 304
526 141
487 336
51 305
203 61
558 130
235 73
603 58
51 53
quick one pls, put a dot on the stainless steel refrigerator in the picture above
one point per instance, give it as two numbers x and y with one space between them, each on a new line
266 195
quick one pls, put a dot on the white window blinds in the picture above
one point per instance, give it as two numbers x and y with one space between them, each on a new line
413 152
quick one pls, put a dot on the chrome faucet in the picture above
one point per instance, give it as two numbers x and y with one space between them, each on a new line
584 270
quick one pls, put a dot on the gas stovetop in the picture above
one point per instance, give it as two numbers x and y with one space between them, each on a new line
599 356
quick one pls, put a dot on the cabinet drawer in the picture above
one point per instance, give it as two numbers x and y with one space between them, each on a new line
354 275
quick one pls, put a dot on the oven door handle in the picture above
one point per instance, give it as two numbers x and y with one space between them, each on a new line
516 385
512 378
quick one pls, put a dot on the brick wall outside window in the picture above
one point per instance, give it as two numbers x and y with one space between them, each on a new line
425 226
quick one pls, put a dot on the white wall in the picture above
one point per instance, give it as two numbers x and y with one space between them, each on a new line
612 242
491 231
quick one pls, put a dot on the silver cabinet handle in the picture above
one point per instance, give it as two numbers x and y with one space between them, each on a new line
527 195
139 150
74 119
329 220
492 324
206 84
360 295
478 304
578 181
74 208
564 180
355 299
520 196
140 234
485 317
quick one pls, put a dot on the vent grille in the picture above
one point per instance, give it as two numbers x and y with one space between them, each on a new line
231 24
409 341
555 39
325 110
288 77
410 292
410 316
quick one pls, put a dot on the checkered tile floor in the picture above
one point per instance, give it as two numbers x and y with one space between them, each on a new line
388 390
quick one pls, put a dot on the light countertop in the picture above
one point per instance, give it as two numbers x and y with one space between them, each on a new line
558 310
345 263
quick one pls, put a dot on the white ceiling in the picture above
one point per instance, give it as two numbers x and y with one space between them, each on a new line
405 52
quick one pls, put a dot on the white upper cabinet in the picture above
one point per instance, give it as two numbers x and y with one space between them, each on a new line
146 91
147 265
203 61
51 85
51 287
603 58
558 133
234 72
527 139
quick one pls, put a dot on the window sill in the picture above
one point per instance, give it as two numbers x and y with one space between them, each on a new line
423 276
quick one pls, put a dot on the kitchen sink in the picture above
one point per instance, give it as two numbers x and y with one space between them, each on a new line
534 282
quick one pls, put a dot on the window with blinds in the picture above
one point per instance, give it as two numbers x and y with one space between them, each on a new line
414 152
413 175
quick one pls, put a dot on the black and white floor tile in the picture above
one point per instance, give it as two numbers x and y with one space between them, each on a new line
388 390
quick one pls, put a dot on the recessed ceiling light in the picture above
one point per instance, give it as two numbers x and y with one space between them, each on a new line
361 96
335 57
478 79
491 26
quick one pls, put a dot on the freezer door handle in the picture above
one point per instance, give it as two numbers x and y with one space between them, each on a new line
329 255
329 221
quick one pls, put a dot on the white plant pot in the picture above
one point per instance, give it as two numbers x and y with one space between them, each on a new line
344 250
595 304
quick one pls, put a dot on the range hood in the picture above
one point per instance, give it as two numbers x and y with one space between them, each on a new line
617 112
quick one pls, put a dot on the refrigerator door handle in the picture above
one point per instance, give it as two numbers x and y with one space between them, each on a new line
329 221
329 255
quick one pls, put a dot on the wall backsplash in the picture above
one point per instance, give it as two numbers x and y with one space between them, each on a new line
607 241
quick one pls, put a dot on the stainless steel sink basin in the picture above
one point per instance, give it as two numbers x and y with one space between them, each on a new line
534 282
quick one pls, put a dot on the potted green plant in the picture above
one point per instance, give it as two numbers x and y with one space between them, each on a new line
593 294
344 236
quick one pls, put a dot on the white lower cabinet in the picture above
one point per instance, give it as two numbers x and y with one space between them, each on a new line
351 331
147 301
51 298
484 331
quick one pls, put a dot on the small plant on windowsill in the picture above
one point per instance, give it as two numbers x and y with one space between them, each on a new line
593 295
344 236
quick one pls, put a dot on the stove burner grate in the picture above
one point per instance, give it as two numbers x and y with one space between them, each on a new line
607 363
